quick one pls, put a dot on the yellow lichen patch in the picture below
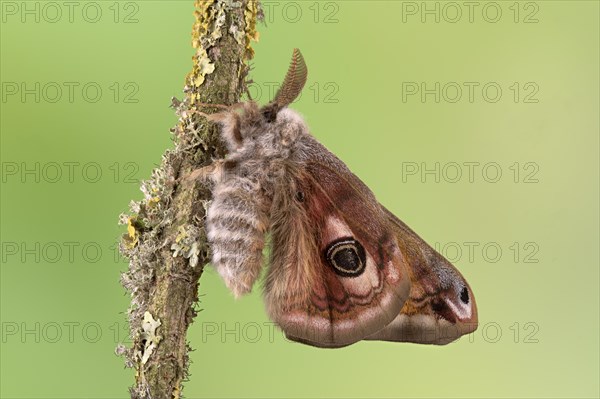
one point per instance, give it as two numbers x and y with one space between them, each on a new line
132 237
202 16
202 67
131 229
152 202
209 19
128 242
252 34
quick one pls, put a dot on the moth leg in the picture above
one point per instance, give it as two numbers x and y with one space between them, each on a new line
213 173
204 174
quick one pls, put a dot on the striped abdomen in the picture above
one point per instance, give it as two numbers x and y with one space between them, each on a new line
236 224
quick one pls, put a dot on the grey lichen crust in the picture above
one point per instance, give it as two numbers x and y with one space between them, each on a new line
165 240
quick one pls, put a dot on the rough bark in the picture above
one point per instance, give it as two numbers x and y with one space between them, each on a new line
165 241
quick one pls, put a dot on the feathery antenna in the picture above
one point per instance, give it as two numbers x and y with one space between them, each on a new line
294 81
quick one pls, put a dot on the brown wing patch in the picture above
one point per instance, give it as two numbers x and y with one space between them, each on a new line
441 306
329 218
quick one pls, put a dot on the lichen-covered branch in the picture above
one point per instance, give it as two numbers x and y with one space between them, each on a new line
165 240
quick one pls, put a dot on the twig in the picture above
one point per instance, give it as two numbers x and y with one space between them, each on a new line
166 241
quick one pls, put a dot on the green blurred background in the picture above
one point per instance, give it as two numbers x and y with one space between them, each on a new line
526 240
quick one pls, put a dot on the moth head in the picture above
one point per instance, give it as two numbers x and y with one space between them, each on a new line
247 122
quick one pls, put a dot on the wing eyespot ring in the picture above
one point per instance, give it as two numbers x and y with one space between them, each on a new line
346 256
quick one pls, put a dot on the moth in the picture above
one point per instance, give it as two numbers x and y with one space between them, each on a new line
342 268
